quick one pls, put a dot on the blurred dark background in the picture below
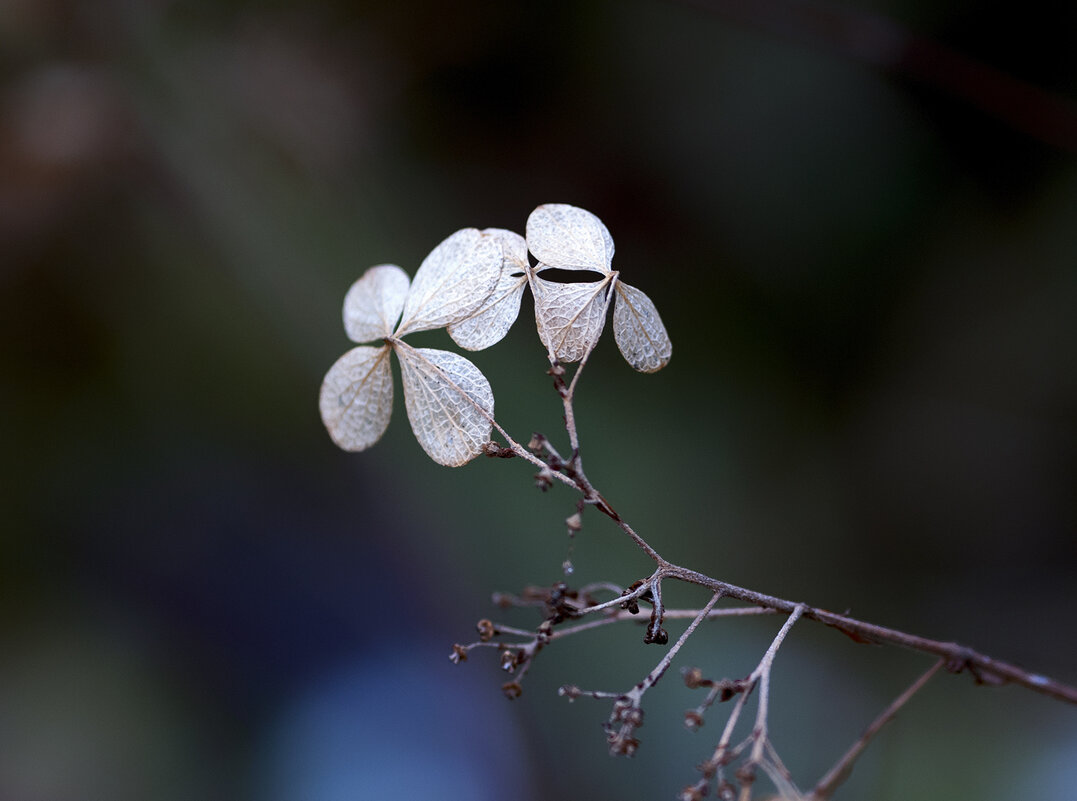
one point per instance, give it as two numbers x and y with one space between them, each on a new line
858 222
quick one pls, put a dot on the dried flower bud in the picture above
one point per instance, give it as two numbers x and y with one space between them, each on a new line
656 635
486 629
726 791
459 654
537 442
508 661
633 717
544 479
545 631
574 522
693 677
569 691
693 792
512 690
693 720
502 600
623 746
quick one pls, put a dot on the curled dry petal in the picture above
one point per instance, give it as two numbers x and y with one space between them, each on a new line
356 399
639 332
495 317
569 238
373 303
449 402
570 317
453 282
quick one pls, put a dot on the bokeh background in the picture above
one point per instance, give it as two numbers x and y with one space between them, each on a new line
858 222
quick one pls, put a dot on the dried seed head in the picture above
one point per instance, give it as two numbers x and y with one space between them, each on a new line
569 691
501 600
574 522
693 720
508 661
512 690
537 443
656 636
693 792
545 631
486 629
693 677
623 746
459 654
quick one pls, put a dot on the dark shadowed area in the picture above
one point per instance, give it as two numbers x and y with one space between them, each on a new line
860 228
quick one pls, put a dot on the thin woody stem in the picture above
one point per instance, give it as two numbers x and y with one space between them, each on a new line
840 772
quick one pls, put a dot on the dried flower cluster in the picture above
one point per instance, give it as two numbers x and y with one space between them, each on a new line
472 285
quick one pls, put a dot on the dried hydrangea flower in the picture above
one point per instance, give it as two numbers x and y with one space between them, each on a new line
571 316
449 401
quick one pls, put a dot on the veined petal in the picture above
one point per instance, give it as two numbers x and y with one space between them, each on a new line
445 396
513 247
570 317
639 331
372 305
569 238
453 281
494 319
492 322
357 397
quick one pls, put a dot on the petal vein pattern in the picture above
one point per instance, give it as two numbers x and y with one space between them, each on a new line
570 317
638 330
569 238
495 317
373 303
453 282
446 396
356 399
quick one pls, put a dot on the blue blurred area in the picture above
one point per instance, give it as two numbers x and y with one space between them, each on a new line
861 242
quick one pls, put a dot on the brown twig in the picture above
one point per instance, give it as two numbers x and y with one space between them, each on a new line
840 772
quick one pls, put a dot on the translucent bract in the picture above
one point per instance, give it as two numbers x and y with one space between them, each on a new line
570 317
448 400
494 319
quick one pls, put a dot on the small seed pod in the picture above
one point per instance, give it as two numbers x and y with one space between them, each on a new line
693 677
512 690
486 629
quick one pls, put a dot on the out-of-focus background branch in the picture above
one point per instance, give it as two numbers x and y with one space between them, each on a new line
868 273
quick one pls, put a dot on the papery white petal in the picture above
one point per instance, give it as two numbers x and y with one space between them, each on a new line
513 246
570 317
453 281
569 238
441 393
356 399
373 303
639 331
492 322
